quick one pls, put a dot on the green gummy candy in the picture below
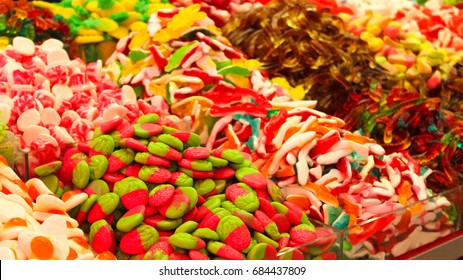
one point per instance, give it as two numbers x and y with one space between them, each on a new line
193 141
233 156
119 17
229 206
183 180
126 224
97 132
217 162
49 168
261 238
78 156
148 236
89 202
220 185
243 171
205 186
251 245
184 240
279 207
249 201
168 129
192 194
257 252
275 193
81 11
221 196
158 148
103 144
245 163
178 55
106 4
206 233
272 231
234 69
99 187
137 55
98 165
126 155
81 174
108 202
201 165
221 212
148 118
341 222
168 224
129 184
52 182
212 203
227 225
188 227
146 171
171 141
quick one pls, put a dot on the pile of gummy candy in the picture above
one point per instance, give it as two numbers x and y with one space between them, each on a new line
237 129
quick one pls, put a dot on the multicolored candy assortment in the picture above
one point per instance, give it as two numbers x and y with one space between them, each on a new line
21 18
98 24
35 223
204 203
258 165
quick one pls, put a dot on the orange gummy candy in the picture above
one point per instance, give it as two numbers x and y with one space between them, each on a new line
42 248
15 222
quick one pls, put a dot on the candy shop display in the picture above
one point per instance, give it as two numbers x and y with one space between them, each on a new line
21 18
319 165
98 24
232 130
150 191
308 48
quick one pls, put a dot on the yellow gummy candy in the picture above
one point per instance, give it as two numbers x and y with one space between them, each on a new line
138 26
120 32
4 42
297 92
158 89
117 8
129 5
108 25
251 64
89 39
140 39
89 32
92 6
153 8
78 2
180 23
239 80
43 5
95 15
133 17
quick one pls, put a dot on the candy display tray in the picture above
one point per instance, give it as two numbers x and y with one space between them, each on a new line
397 234
392 235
